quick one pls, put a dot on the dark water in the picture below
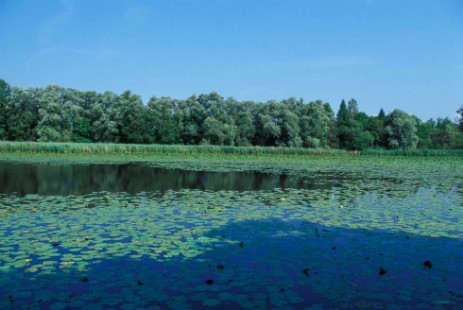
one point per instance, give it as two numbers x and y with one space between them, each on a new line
45 179
132 236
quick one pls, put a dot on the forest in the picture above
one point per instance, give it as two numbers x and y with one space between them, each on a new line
61 114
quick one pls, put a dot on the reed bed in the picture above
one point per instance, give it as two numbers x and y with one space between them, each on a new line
114 148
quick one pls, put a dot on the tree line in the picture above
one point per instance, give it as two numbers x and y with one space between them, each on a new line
62 114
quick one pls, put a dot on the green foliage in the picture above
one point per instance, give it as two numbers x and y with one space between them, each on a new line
352 106
344 115
460 117
401 131
57 114
376 128
119 148
161 116
315 124
353 127
23 115
5 97
445 134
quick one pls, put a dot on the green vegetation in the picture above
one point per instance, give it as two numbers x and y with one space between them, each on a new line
159 149
57 114
113 148
250 249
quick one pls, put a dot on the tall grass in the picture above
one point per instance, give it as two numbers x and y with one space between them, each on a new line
113 148
417 152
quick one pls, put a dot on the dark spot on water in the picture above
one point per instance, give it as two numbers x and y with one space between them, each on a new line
333 248
209 282
408 237
220 267
39 301
139 282
84 279
367 258
306 271
241 244
10 298
282 289
427 264
382 271
55 244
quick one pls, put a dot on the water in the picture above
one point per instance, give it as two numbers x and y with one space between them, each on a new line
65 179
134 236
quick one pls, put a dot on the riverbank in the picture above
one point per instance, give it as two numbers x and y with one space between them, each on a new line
129 149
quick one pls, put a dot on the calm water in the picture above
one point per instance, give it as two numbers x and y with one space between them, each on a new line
133 236
134 178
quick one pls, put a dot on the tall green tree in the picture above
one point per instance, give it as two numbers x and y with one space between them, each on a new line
191 118
460 117
218 127
82 125
344 115
401 131
353 107
23 114
103 118
268 124
56 116
353 132
163 117
446 135
423 131
381 115
5 101
376 128
315 124
289 129
131 119
244 121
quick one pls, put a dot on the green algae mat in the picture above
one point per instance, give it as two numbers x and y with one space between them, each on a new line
310 234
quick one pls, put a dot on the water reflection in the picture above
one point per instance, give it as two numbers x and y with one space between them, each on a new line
75 179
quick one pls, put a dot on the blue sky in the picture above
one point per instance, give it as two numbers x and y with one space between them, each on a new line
384 53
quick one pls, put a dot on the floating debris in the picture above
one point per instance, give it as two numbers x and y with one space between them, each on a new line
382 271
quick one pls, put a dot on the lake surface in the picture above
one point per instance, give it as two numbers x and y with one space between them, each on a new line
61 179
137 236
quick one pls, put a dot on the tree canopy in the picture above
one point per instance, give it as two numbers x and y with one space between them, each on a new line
62 114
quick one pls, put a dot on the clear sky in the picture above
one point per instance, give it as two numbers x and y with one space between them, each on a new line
405 54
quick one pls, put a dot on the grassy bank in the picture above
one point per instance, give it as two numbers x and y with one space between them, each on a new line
112 148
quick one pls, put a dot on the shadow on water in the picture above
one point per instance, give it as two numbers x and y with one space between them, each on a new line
260 264
44 179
